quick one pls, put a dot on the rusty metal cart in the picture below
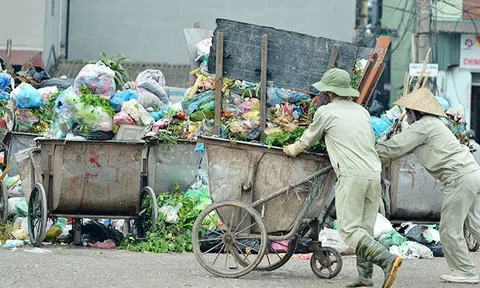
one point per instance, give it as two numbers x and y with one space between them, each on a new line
263 200
172 165
89 179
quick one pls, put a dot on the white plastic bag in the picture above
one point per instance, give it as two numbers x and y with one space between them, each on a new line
98 78
331 238
138 113
171 213
412 250
382 225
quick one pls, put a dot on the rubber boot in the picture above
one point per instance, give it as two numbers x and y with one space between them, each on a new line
365 272
374 252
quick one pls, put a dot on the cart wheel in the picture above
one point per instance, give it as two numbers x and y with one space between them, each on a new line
333 264
37 215
219 249
147 219
472 244
273 258
3 202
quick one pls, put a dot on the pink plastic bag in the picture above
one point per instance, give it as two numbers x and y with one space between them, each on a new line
280 246
122 118
107 244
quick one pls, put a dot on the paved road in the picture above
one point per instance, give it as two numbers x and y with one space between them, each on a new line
73 267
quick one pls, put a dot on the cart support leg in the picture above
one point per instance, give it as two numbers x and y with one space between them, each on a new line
77 231
314 247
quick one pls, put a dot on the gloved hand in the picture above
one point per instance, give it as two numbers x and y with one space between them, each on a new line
294 149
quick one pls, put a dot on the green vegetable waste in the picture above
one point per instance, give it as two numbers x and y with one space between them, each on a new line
175 237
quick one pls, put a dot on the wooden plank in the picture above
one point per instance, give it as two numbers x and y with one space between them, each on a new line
333 56
218 83
369 79
263 87
295 60
369 93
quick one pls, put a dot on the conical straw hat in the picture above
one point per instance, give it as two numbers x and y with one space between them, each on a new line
422 100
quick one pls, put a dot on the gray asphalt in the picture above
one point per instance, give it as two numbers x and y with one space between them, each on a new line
84 267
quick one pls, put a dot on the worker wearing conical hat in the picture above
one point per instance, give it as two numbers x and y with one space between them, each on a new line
454 166
350 144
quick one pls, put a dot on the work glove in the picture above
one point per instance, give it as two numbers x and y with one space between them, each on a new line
294 149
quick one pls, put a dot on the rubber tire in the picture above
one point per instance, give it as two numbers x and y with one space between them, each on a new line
472 245
42 231
318 273
195 239
153 199
4 199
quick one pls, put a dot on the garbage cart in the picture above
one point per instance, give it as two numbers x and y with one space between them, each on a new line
263 202
89 179
172 165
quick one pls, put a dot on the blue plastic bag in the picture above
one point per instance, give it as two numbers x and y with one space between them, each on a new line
4 80
443 102
279 95
27 97
156 115
4 96
60 102
192 105
123 96
380 125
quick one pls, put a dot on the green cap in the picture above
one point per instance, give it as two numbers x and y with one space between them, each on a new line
337 81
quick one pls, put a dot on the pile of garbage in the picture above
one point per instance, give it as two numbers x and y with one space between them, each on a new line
409 241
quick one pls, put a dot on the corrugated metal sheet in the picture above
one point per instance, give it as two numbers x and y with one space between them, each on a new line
448 50
460 26
176 75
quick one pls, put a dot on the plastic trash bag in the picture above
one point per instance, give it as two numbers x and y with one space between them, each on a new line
107 244
25 120
200 196
17 206
416 234
431 235
122 118
27 97
47 92
203 48
382 225
391 238
171 213
151 81
118 98
98 78
280 95
380 125
157 115
96 118
138 113
443 102
412 250
10 244
193 104
4 96
376 108
331 238
201 115
60 83
5 80
436 249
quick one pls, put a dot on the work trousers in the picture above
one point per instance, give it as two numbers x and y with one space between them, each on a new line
356 201
461 204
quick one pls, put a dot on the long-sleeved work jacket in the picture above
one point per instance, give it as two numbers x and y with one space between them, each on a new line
349 139
435 146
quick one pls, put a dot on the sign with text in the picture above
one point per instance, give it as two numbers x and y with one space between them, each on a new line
470 52
415 68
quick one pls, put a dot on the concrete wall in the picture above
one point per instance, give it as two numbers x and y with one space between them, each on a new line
24 23
53 20
152 31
